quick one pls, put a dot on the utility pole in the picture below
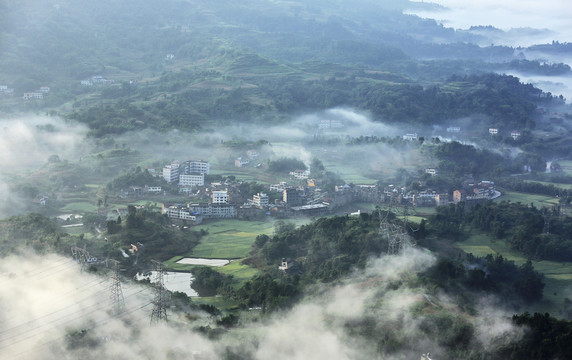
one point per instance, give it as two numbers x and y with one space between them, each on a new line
161 300
116 294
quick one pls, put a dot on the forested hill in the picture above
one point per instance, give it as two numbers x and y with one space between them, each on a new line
503 99
192 64
73 39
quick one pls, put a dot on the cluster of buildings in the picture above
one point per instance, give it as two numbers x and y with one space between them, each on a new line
471 193
243 161
96 80
187 175
513 134
225 200
37 94
6 91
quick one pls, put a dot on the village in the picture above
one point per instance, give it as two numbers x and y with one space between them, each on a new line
299 197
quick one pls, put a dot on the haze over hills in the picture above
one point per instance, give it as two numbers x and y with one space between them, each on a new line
384 104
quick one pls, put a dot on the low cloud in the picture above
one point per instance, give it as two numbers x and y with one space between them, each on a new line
27 142
554 15
52 310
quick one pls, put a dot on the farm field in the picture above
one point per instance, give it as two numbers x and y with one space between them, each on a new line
563 186
79 207
566 166
231 238
239 271
524 198
558 275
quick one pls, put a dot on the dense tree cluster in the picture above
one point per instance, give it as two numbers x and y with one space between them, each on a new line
492 274
537 233
545 337
285 165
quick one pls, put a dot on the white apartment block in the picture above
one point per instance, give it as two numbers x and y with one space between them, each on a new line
260 199
192 180
175 212
432 172
156 189
34 95
410 137
171 173
213 210
220 197
197 167
279 187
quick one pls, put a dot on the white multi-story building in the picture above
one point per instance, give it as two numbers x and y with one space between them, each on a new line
33 95
300 174
213 210
279 187
410 137
171 173
183 213
493 131
192 180
220 197
260 199
197 167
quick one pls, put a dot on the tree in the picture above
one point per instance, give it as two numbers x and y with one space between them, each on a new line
530 286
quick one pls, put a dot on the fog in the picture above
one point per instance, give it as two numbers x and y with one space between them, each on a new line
557 85
26 142
46 299
293 138
551 18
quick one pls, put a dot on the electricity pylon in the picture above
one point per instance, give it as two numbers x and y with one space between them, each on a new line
161 300
116 294
396 235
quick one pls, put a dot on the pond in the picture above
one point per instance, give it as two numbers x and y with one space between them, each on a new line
174 281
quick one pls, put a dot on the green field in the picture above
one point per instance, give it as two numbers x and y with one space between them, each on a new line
523 198
239 271
231 238
566 166
558 275
79 207
562 186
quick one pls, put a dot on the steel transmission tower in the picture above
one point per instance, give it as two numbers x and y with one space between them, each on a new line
396 235
161 300
81 255
116 294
